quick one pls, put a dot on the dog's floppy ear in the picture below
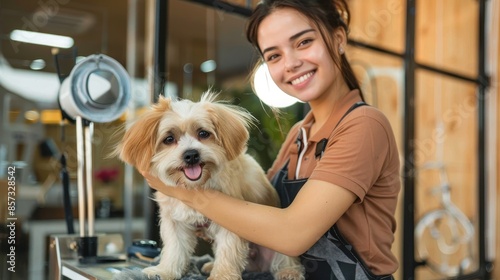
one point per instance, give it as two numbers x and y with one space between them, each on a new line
139 142
231 125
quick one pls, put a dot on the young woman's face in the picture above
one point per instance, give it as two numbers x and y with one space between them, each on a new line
296 55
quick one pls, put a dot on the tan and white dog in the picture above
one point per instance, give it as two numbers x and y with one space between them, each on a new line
200 145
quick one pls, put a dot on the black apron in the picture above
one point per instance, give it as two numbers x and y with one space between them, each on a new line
331 257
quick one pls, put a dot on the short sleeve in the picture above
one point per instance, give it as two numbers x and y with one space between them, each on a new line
357 152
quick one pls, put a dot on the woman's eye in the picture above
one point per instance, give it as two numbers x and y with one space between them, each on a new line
203 134
305 42
272 57
169 140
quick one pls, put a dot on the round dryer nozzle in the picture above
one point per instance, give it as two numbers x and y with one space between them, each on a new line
97 89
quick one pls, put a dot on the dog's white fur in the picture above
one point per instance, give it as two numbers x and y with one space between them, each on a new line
174 140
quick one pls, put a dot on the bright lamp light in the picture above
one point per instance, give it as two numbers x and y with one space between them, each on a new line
44 39
268 91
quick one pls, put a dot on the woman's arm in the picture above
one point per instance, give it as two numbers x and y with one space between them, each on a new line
290 231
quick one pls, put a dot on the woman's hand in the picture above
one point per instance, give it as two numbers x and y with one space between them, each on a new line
180 192
155 183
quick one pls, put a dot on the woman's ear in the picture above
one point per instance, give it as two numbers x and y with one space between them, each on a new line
340 39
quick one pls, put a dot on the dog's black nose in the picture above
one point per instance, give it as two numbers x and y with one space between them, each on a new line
191 157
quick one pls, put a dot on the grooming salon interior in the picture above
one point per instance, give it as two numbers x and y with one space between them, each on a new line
73 73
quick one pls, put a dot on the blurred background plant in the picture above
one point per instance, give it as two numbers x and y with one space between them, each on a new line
272 125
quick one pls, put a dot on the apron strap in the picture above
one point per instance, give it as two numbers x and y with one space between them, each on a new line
320 146
294 157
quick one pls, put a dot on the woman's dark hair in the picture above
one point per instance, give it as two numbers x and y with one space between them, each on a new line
326 15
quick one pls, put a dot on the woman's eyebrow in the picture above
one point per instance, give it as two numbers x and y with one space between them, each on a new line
292 38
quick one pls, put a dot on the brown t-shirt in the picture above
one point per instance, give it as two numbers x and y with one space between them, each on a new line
361 155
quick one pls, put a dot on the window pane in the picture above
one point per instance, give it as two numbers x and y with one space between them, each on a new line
380 23
446 181
448 35
207 38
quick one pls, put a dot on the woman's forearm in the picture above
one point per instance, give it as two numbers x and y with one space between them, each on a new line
265 225
290 231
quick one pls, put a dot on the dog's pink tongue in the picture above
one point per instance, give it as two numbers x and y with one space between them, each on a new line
193 172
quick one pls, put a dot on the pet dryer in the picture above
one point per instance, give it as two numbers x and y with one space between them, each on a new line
96 90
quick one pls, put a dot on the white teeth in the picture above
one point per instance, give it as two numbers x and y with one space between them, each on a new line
302 78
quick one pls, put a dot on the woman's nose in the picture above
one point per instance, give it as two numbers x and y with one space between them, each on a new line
292 62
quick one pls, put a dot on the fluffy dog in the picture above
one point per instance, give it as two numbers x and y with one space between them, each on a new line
200 145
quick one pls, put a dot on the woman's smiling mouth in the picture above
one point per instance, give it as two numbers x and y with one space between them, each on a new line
302 78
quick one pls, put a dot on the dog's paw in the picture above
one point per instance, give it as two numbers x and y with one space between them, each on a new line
156 273
289 274
207 267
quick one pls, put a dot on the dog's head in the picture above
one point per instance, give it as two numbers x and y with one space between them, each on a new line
185 142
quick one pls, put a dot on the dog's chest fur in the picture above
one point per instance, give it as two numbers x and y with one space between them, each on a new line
178 211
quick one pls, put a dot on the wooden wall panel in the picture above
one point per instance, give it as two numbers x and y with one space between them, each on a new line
447 34
379 22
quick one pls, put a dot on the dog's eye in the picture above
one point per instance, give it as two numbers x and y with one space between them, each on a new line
169 140
203 134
